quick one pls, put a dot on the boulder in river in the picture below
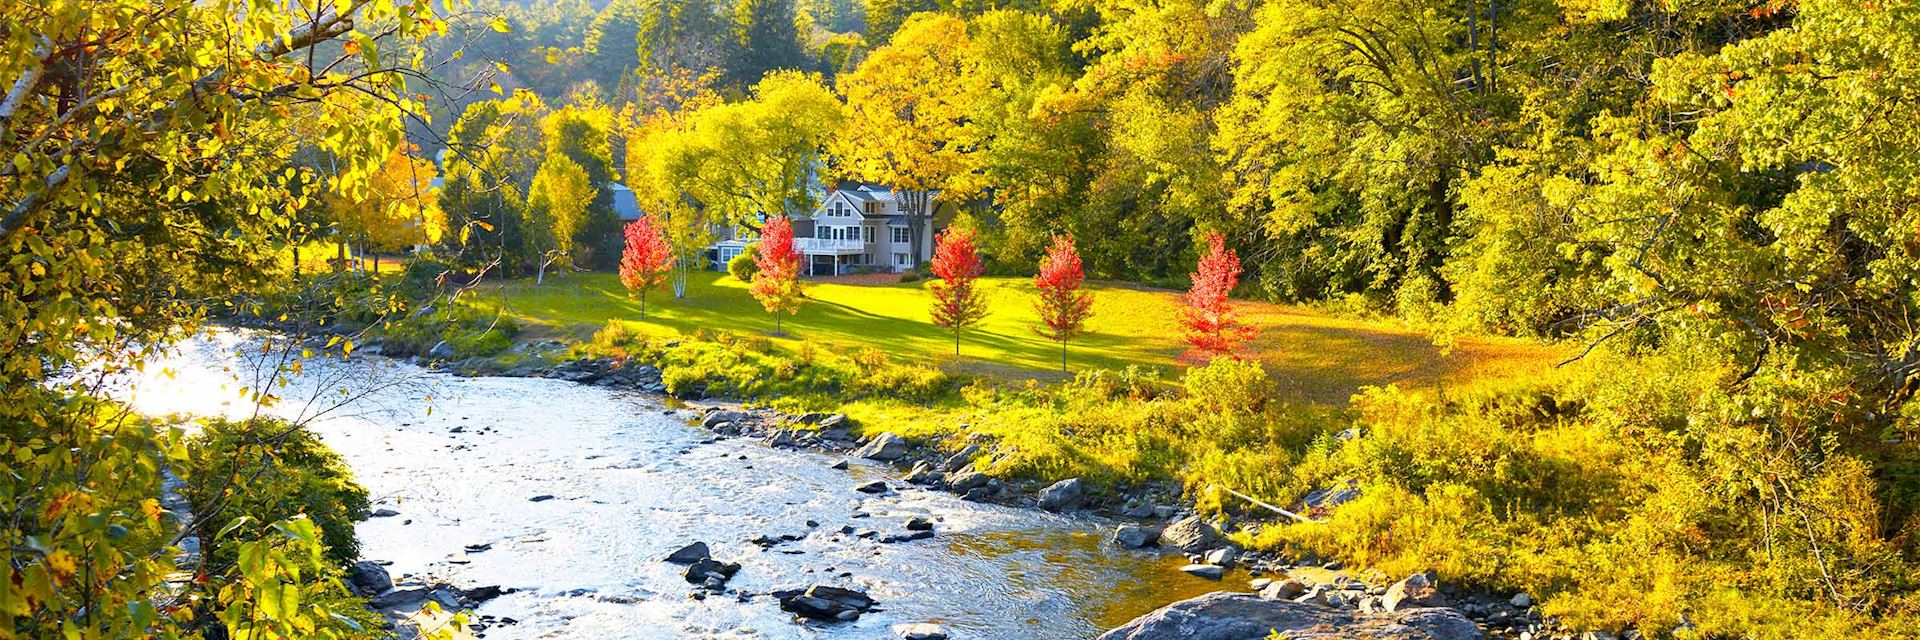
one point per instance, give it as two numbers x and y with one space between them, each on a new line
823 602
918 523
1064 494
885 447
709 570
924 474
1208 571
872 487
1221 615
1133 536
368 578
919 631
1190 534
690 554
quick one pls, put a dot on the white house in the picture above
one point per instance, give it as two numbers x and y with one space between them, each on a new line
857 226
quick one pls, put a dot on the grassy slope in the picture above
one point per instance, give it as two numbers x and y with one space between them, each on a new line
1317 356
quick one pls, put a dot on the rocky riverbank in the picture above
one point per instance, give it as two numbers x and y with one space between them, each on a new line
1149 517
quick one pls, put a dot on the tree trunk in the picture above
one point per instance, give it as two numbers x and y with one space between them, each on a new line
340 256
1063 356
643 305
296 262
680 269
956 342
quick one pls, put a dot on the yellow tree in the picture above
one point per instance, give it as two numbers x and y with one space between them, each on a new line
907 123
743 161
557 204
400 208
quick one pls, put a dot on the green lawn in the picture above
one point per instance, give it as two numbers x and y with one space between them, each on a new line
1320 357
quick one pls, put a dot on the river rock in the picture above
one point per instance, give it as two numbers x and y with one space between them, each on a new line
716 418
690 554
368 578
1287 589
1208 571
909 536
1133 536
965 481
1418 590
823 602
918 523
708 571
919 631
872 487
841 466
960 459
1234 616
1521 601
1064 494
885 447
923 474
1190 534
398 596
441 351
1224 556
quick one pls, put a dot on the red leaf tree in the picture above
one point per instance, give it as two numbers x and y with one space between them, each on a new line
1062 306
647 260
777 284
957 303
1212 329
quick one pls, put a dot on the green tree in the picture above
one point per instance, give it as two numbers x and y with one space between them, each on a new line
767 38
558 204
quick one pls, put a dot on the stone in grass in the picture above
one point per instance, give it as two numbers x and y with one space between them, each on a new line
1417 590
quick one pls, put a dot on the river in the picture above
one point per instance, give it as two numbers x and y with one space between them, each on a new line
462 460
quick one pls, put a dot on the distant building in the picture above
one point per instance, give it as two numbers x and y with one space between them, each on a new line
858 226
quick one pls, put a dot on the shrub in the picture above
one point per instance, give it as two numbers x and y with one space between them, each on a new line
742 267
265 471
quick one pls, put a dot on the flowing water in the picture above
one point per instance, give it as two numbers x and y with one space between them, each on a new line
463 460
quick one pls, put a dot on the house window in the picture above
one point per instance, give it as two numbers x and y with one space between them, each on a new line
901 260
901 235
873 207
821 232
868 232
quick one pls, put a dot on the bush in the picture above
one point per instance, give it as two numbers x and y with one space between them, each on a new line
265 471
742 267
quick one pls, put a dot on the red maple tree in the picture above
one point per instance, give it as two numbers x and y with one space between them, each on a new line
646 261
957 304
777 284
1062 306
1212 330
